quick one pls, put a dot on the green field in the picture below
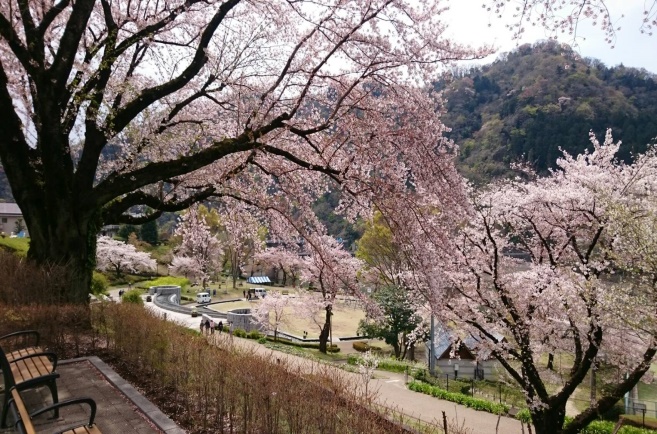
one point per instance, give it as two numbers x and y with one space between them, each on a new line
17 245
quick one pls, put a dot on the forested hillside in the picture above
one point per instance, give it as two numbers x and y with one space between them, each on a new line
537 99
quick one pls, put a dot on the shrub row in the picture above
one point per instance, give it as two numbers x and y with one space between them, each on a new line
606 427
459 398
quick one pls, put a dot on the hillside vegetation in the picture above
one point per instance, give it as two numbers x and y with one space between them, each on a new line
537 99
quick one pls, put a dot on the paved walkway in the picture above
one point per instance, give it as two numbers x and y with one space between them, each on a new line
390 388
121 409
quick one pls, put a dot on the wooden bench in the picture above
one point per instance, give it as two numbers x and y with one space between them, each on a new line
23 419
27 372
20 344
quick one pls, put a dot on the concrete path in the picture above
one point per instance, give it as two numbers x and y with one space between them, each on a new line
390 388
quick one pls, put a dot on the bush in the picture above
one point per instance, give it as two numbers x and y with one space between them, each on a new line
468 401
254 334
240 333
332 348
363 347
262 340
99 283
133 296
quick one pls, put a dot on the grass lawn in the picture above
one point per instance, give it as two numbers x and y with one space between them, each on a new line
17 245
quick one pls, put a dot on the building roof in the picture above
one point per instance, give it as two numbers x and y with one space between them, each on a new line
258 279
444 338
10 209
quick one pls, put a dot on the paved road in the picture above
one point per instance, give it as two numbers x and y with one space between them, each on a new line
390 388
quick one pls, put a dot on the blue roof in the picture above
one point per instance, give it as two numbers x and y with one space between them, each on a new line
258 279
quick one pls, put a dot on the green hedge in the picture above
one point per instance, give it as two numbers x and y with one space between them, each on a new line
606 427
459 398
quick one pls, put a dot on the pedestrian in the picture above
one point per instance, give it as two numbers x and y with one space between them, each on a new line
244 292
202 325
211 326
221 326
129 286
207 326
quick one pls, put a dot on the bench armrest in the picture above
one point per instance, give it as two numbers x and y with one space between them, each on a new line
51 356
23 334
88 401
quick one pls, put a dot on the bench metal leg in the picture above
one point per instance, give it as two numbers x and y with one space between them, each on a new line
5 408
55 399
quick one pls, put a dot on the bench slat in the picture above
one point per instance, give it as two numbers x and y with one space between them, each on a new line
31 368
22 411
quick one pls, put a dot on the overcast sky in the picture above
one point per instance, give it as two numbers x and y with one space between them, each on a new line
469 23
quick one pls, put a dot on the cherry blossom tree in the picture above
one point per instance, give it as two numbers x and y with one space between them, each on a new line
330 269
536 261
565 16
200 251
287 261
272 311
115 111
122 258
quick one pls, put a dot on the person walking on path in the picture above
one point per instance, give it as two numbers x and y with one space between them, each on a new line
221 326
207 326
211 326
202 325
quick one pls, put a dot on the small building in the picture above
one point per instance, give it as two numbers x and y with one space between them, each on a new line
463 358
10 215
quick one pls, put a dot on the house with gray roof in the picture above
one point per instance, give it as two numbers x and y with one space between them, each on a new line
10 213
462 356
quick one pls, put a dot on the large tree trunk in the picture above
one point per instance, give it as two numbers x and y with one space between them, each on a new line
63 236
324 334
550 420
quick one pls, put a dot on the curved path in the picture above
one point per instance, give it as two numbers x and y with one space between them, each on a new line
390 388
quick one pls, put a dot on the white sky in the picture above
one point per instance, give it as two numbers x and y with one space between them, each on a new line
470 23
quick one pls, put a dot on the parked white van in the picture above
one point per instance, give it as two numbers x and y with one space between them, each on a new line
257 292
203 297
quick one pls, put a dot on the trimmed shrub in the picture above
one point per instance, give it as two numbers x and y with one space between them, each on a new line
363 347
524 416
254 334
262 340
240 333
459 398
133 296
99 283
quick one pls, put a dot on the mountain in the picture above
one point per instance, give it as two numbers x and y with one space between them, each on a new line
541 98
